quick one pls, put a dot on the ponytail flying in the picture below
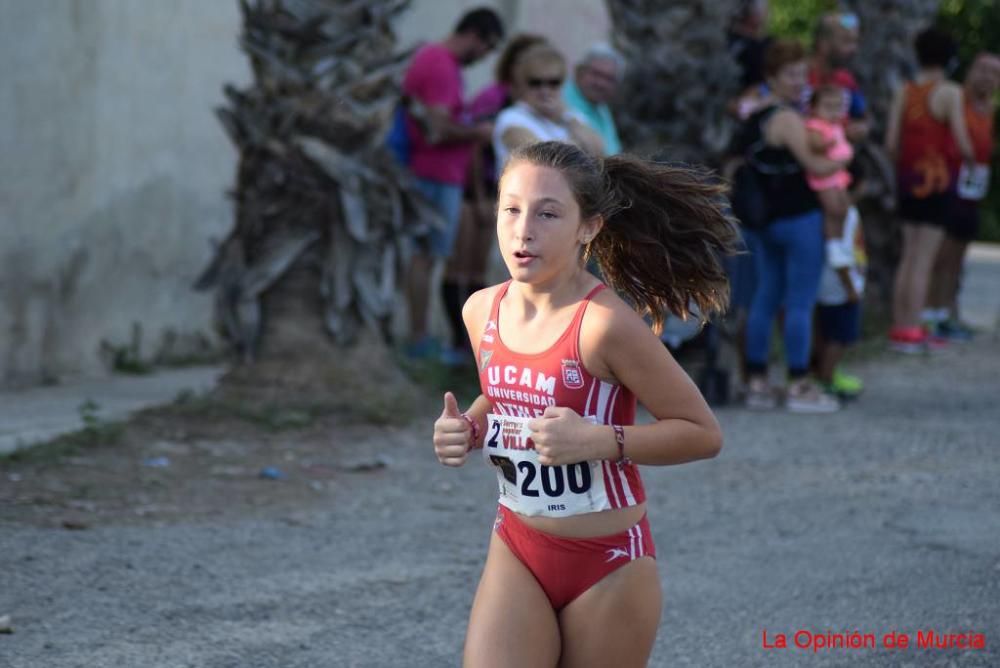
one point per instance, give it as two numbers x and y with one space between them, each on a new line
666 228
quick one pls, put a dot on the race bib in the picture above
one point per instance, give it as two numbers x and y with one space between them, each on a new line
531 488
973 183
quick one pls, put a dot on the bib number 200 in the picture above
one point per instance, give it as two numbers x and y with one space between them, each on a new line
554 479
537 479
540 478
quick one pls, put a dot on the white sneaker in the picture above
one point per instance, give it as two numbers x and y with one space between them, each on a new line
805 396
760 395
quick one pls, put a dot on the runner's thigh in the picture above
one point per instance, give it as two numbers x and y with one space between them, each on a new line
512 624
927 241
614 622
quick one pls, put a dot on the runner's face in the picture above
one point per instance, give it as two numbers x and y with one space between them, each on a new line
538 224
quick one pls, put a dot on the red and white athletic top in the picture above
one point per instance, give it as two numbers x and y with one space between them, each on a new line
520 387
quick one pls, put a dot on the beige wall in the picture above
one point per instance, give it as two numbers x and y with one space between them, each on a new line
112 174
113 168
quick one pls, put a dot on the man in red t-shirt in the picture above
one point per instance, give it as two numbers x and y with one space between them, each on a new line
440 152
835 44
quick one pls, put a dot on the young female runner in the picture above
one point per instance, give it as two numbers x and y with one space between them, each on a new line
570 578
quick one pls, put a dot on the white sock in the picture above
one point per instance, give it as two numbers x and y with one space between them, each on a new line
934 314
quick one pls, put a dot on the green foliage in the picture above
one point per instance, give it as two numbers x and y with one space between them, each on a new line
125 361
797 18
127 358
975 22
88 411
989 228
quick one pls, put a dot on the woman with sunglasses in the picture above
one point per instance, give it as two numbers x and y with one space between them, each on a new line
539 112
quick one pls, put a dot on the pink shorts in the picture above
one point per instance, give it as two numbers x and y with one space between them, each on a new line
567 567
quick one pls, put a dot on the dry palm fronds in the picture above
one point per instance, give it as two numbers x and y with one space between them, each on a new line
314 179
679 77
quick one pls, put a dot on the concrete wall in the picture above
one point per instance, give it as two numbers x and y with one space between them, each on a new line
113 168
112 175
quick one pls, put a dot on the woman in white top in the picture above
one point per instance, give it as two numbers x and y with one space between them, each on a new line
539 113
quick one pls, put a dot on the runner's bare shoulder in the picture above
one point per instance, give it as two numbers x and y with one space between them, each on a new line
477 310
608 322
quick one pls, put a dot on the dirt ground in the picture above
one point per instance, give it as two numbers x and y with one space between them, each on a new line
175 463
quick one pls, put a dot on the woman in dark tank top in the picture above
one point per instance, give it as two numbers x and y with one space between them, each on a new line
780 175
788 251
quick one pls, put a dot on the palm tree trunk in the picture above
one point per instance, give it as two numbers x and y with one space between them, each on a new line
305 284
679 77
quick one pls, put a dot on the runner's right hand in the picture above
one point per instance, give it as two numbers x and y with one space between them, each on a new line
452 434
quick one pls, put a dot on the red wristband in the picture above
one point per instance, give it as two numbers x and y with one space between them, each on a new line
474 426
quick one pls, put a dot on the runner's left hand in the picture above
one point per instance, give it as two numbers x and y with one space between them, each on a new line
561 436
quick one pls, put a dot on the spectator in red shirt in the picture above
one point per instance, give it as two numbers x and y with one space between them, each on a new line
835 44
441 149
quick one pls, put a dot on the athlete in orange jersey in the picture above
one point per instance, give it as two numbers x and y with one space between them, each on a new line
570 577
982 82
926 123
925 149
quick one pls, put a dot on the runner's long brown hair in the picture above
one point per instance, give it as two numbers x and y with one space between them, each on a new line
665 227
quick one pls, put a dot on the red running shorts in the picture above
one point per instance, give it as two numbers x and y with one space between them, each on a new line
567 567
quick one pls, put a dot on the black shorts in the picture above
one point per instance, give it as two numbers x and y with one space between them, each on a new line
931 210
840 323
963 220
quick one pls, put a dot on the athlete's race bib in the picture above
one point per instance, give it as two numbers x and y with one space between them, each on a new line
530 488
973 183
